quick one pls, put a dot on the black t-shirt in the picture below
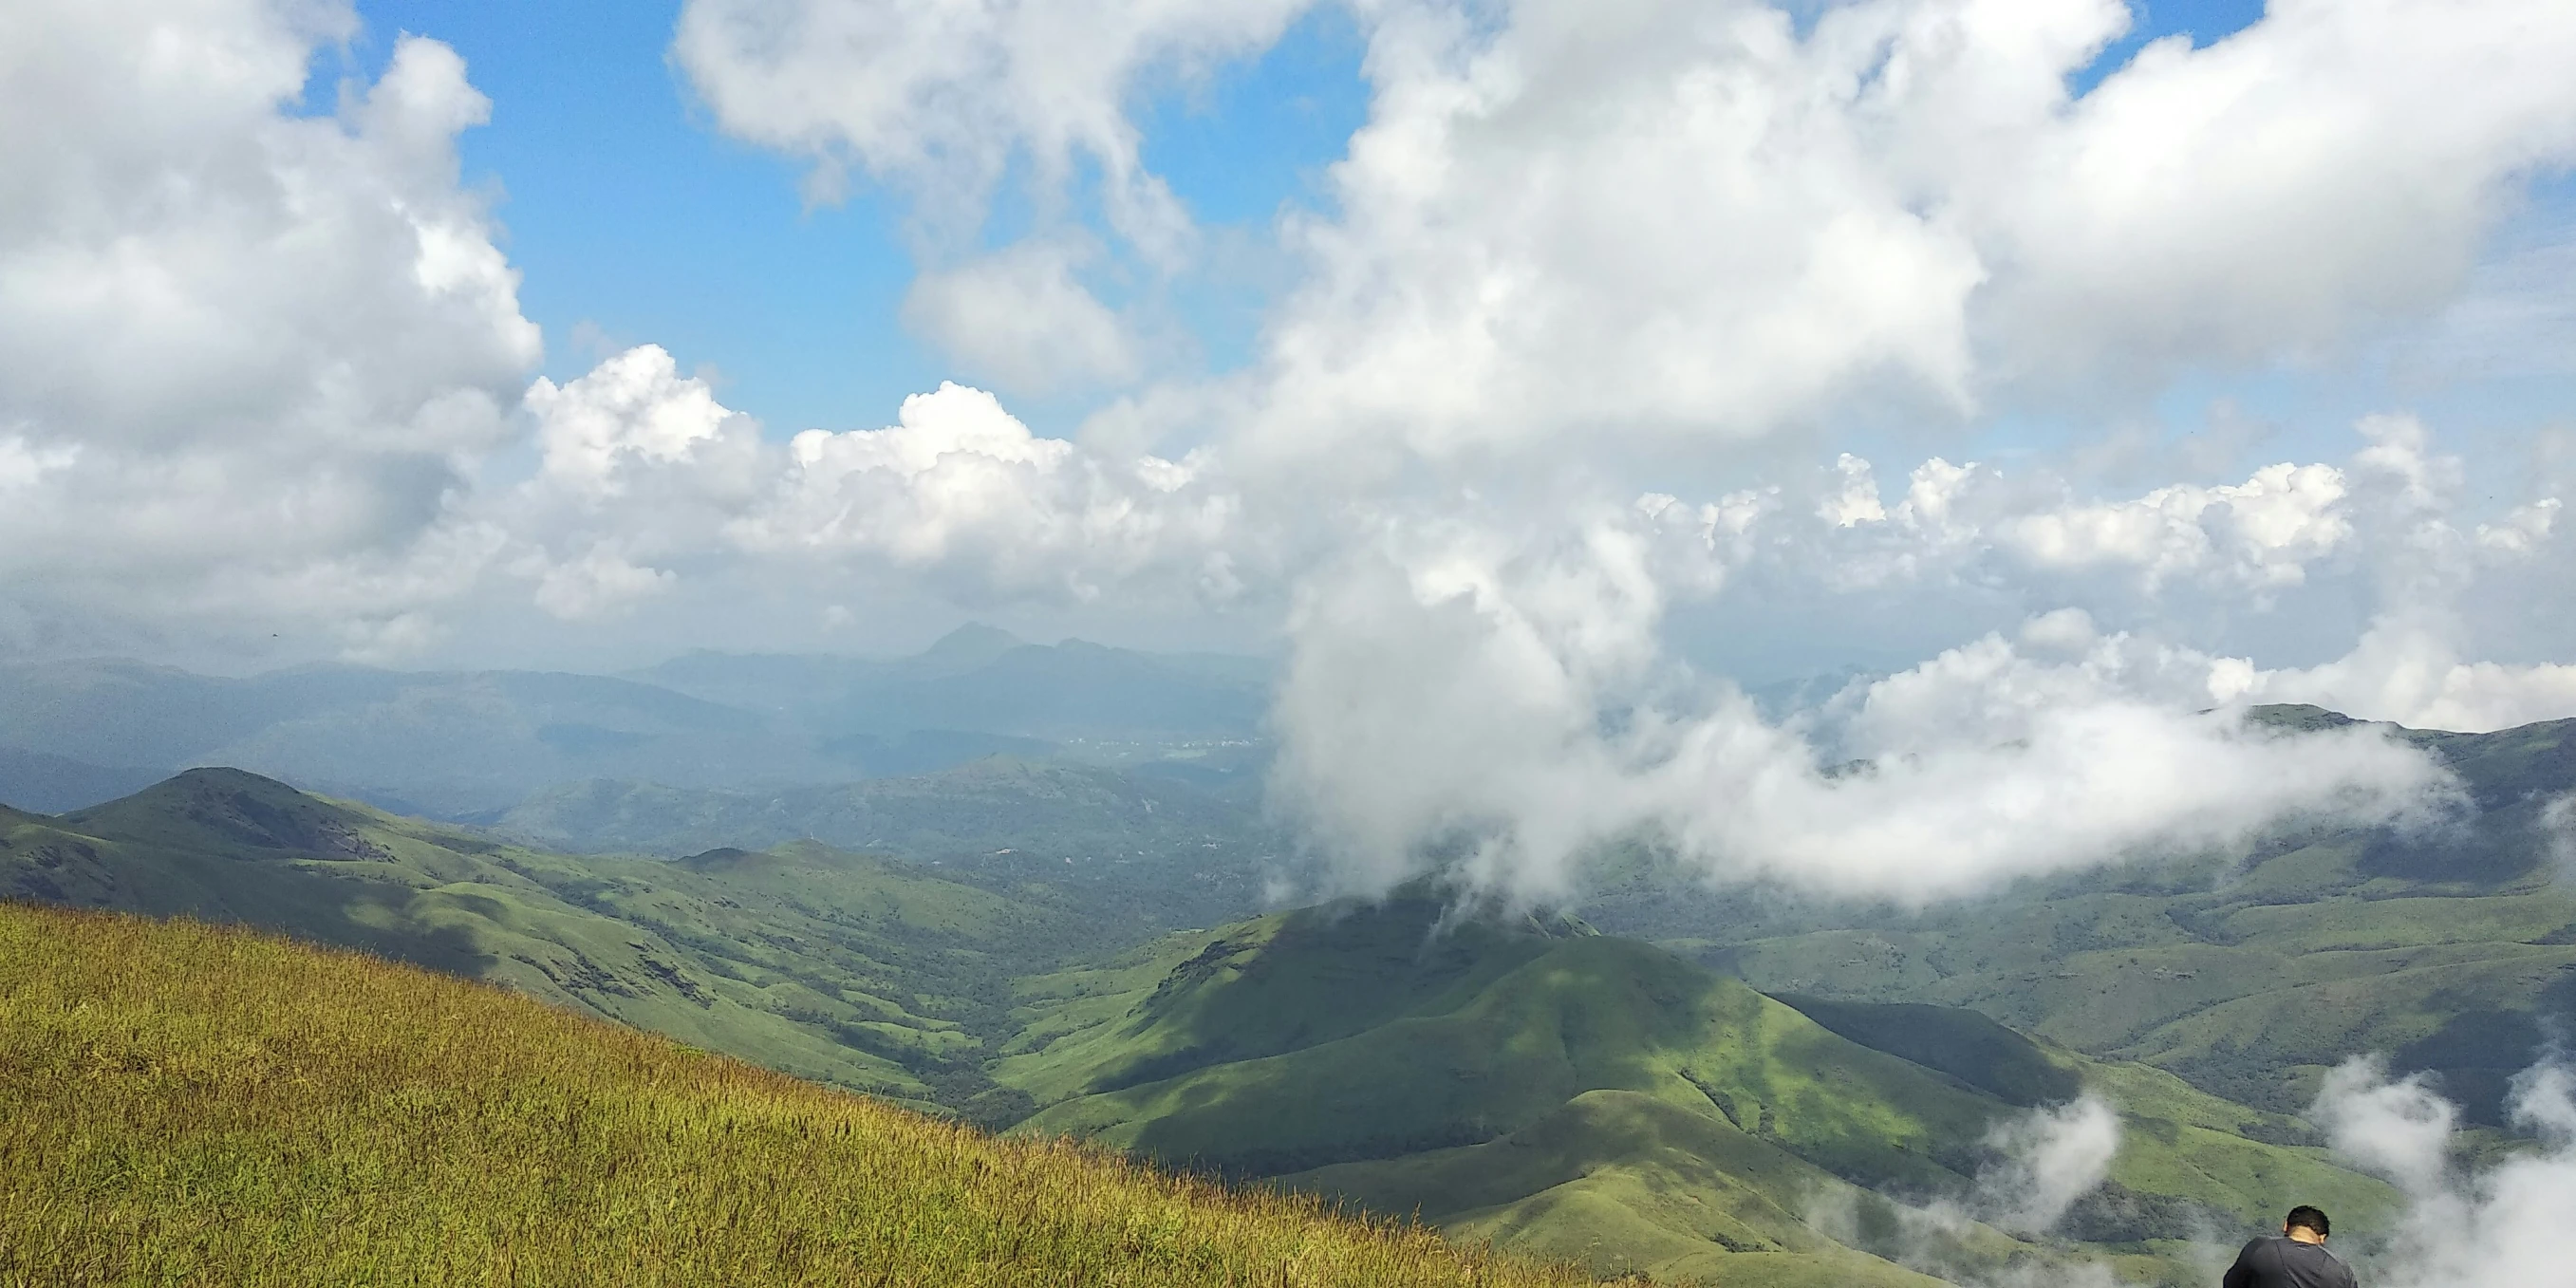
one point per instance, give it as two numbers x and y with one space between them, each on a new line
2283 1262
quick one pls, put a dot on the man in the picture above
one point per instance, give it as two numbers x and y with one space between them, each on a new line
2296 1259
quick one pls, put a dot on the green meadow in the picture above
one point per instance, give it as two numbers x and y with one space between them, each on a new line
183 1103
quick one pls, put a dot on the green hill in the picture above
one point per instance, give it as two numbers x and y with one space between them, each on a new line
188 1104
1598 1098
2452 949
858 971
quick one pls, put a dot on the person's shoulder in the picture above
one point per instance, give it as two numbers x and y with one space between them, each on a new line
2342 1268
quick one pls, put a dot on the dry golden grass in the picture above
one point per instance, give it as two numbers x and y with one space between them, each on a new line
188 1104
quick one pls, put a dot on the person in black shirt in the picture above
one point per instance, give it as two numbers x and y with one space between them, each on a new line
2296 1258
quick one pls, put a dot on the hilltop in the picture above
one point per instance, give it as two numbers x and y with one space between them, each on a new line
1579 1095
184 1103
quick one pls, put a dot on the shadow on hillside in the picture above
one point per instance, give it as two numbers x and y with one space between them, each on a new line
1444 1031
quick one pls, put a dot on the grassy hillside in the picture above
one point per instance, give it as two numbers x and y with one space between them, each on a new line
186 1104
2454 951
1598 1098
843 968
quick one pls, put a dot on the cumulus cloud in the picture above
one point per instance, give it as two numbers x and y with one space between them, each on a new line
2387 524
944 98
2512 1222
2264 532
246 350
2229 200
1903 202
1504 710
1661 220
960 486
1022 319
642 469
631 412
2408 669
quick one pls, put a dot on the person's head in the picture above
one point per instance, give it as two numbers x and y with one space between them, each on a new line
2308 1220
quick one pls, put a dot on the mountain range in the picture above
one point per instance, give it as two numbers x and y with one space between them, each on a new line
470 745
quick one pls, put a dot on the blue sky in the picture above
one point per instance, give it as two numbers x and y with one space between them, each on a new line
635 220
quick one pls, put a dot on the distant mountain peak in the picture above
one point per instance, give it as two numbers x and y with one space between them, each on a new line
973 641
2299 716
241 807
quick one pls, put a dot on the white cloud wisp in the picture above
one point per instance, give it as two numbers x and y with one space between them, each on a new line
2512 1222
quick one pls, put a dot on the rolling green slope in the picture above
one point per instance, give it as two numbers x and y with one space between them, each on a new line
188 1104
842 968
1616 1180
1598 1098
2453 950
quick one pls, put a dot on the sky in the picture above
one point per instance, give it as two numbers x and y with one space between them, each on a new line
1610 406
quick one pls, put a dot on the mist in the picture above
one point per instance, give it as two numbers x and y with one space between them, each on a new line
2511 1221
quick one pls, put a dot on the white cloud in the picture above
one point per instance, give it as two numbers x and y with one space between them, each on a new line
598 583
2388 524
1504 708
960 489
633 407
2264 531
2408 669
2232 200
23 465
241 349
2522 530
2513 1222
2400 1130
1020 318
2053 1156
1650 220
1658 220
942 98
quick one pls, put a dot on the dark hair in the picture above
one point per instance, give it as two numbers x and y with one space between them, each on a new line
2309 1217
